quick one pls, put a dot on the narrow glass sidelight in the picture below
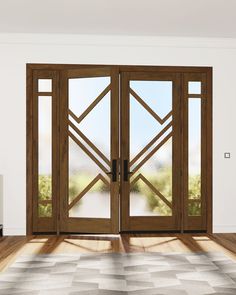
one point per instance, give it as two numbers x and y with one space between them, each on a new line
194 157
45 156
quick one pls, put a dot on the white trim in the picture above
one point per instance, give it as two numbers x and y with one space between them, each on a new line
14 231
117 41
224 228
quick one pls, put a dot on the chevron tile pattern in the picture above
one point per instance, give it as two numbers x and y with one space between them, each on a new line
121 273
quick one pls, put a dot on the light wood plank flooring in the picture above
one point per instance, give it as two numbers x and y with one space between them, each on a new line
12 247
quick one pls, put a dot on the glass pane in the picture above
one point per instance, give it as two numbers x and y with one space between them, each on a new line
93 200
96 124
143 126
194 87
82 170
44 85
194 146
154 93
194 209
152 194
158 171
45 210
45 148
83 91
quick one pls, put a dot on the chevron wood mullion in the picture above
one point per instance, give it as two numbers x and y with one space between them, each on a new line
73 115
150 143
87 152
92 146
156 191
152 152
104 180
143 103
84 191
167 117
135 180
94 103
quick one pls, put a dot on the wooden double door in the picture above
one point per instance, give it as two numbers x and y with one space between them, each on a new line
119 149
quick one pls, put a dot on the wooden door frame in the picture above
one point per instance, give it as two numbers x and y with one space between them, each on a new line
30 140
138 223
96 225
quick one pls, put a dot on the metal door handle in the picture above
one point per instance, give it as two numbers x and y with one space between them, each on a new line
126 170
113 170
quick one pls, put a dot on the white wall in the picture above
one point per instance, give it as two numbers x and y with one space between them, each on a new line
17 50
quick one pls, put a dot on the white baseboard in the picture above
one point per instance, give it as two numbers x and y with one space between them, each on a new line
224 229
14 231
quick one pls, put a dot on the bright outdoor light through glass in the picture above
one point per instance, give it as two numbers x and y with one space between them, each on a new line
44 85
194 87
88 197
194 158
151 195
45 154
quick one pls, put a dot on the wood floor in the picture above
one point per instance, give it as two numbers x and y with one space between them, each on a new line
12 247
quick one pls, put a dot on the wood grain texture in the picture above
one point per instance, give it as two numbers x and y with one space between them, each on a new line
60 73
150 223
121 68
13 247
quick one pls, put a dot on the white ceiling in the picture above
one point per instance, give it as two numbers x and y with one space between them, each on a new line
196 18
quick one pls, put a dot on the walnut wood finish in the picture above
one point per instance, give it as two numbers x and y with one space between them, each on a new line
97 225
151 223
120 113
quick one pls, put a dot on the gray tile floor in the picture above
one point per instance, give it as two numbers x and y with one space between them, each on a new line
117 274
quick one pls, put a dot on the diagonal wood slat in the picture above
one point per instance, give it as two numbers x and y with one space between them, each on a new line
132 183
87 188
87 152
152 152
167 117
139 155
91 106
152 187
85 138
150 110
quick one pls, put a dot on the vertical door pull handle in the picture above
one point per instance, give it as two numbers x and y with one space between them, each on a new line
126 170
113 171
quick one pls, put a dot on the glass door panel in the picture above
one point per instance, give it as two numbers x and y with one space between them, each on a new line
90 175
151 139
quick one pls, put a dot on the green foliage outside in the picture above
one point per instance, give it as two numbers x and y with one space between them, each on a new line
194 208
78 182
162 181
45 210
45 193
195 187
45 187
